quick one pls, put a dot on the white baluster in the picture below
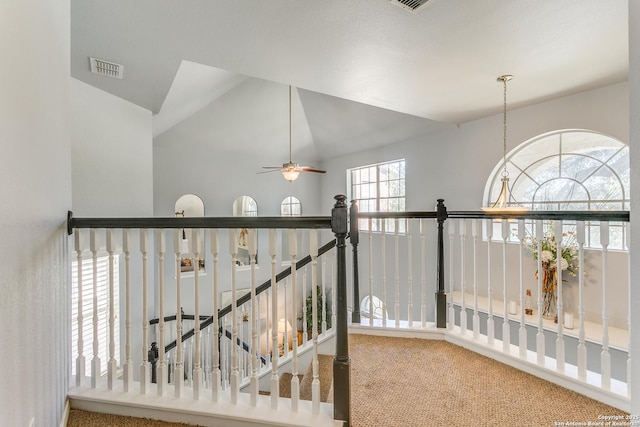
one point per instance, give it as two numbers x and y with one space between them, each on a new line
490 324
560 353
216 378
145 368
287 305
161 369
255 349
522 339
409 273
582 348
266 298
112 364
80 360
423 275
475 227
315 384
627 231
127 366
295 381
196 249
95 361
463 305
506 330
397 273
605 357
540 335
371 317
178 377
235 375
383 262
224 354
304 307
452 313
275 381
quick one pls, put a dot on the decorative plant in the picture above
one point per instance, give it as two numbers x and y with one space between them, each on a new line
568 261
549 253
309 312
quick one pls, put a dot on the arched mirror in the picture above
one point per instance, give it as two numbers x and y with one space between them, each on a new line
244 206
189 206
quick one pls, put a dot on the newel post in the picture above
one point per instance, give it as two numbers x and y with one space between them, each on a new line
441 297
354 238
341 362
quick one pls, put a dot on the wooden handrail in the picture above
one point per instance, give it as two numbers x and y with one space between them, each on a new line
256 222
245 298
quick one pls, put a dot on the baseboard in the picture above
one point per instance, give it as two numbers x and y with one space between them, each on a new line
65 414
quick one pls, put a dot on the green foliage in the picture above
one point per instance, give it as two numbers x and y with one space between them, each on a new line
309 312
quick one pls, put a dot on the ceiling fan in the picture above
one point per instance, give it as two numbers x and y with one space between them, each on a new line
290 170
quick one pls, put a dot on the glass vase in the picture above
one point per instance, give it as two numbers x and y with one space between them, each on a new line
549 286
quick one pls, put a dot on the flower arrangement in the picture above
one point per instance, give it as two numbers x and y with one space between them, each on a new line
568 261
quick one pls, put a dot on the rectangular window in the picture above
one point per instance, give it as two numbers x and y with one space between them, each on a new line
379 188
87 312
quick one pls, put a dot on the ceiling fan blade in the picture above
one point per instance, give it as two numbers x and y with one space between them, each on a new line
270 170
272 167
310 169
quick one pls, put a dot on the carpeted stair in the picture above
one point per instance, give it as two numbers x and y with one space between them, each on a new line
325 375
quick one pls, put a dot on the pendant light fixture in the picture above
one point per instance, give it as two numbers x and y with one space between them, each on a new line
502 202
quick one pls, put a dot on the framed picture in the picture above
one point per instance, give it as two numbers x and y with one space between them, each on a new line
187 265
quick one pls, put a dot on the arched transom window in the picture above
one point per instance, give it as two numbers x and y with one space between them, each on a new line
290 206
566 170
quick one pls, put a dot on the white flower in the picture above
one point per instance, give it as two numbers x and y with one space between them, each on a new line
564 263
546 256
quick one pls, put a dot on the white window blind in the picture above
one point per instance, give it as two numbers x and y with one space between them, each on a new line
87 312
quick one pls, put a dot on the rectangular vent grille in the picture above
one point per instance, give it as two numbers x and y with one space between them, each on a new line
106 68
412 5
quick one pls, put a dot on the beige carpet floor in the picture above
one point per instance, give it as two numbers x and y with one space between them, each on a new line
402 382
413 382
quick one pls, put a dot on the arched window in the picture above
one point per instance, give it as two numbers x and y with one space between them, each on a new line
290 206
567 170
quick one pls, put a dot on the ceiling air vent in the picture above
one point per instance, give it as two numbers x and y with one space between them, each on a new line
106 68
411 5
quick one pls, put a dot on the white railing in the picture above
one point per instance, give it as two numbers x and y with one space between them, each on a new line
490 268
256 333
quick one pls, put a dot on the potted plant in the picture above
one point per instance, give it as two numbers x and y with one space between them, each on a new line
309 312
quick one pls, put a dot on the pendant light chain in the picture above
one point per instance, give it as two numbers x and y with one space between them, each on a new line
505 174
290 124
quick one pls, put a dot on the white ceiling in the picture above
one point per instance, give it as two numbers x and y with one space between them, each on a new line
440 63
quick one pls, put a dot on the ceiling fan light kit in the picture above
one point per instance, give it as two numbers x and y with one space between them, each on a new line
290 171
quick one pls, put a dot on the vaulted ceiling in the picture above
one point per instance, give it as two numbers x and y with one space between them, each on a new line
367 68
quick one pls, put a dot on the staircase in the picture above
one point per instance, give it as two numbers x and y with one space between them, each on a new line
325 376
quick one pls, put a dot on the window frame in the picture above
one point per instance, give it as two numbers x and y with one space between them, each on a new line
522 172
379 198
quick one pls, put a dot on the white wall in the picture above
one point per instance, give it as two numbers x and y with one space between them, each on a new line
455 164
218 152
634 121
35 184
112 164
112 155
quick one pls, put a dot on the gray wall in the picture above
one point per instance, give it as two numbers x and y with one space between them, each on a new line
634 88
35 184
456 163
112 163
